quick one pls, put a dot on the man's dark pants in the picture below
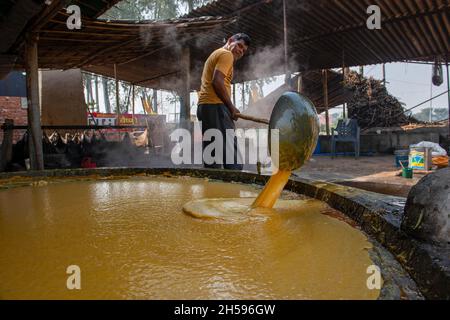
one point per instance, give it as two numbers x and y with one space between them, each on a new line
217 116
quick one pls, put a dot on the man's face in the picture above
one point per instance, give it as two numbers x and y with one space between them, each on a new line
237 48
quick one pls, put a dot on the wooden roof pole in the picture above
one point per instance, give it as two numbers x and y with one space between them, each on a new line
132 102
325 102
234 94
185 106
47 13
343 86
448 95
33 111
300 83
117 92
97 107
286 56
344 79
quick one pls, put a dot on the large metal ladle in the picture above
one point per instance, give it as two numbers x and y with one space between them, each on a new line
295 118
293 134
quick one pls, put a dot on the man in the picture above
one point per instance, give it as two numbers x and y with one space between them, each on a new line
215 109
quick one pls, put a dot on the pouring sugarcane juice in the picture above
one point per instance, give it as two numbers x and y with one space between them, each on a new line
294 129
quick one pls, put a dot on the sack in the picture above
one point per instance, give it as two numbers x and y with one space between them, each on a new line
437 150
440 162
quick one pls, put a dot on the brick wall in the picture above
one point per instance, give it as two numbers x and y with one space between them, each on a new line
10 108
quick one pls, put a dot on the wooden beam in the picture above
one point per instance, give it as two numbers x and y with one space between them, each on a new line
47 13
132 101
97 99
145 54
325 101
117 90
344 79
234 94
300 83
7 144
156 77
186 38
287 72
185 90
84 33
102 51
243 96
448 95
123 43
34 113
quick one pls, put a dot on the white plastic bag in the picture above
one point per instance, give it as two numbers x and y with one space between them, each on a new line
437 150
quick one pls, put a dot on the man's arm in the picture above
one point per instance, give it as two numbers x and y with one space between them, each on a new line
218 84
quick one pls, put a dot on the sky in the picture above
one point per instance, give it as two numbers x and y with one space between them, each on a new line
408 82
411 83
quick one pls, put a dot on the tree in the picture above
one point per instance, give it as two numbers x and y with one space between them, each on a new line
151 9
437 115
441 114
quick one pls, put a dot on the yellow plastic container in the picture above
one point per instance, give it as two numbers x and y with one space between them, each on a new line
420 159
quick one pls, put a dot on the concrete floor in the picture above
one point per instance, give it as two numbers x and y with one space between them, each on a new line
377 173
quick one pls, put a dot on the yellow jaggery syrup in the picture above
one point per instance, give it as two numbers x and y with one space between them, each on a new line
272 190
131 240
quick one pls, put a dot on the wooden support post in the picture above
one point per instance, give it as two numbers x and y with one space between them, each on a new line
185 90
243 96
234 94
300 85
287 72
132 102
34 111
325 101
384 74
448 95
7 144
117 92
344 79
97 99
361 70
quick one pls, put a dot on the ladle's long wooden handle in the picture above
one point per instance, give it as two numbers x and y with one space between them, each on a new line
250 118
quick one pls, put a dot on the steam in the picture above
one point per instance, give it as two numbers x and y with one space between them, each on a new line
267 61
146 36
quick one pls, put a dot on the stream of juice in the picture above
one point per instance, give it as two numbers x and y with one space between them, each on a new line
272 191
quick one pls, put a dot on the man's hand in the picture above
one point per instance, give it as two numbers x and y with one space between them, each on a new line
234 113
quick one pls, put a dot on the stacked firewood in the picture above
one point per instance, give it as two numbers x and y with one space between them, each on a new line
372 105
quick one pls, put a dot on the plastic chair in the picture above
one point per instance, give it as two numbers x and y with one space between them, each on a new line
347 131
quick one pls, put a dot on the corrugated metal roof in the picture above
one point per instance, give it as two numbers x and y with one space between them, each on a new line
329 33
15 16
322 34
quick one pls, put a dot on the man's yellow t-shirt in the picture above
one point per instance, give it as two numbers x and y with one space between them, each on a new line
222 60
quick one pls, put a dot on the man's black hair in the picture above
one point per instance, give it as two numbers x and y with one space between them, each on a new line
242 36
